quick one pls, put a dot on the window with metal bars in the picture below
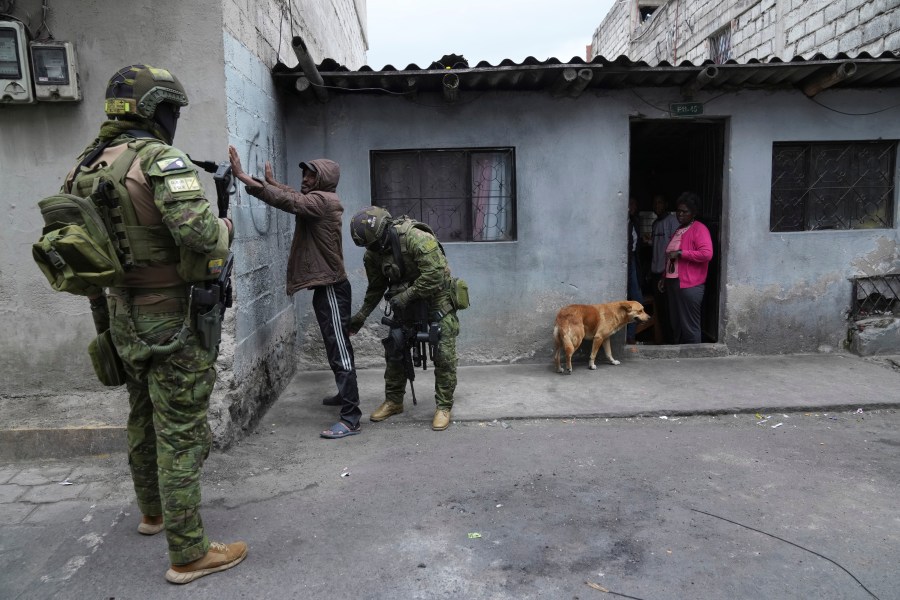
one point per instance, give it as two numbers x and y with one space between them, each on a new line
720 45
875 296
833 185
465 195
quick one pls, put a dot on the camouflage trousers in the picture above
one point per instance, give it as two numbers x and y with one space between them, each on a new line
444 368
168 434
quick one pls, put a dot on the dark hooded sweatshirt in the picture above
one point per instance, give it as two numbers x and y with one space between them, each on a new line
317 256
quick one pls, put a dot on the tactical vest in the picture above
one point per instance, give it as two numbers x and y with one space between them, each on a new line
92 236
394 268
137 245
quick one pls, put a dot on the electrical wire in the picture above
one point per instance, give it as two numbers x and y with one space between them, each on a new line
45 12
387 91
874 112
792 544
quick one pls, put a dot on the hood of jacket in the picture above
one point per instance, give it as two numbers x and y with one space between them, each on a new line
328 175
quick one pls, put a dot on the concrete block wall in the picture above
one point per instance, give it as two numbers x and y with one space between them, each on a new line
269 329
762 29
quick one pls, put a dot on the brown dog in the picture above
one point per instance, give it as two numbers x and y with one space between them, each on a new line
577 322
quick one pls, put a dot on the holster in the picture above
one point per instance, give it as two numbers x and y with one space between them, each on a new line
107 363
208 305
394 345
208 322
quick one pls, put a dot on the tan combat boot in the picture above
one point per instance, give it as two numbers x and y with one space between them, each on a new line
219 557
151 525
384 411
441 420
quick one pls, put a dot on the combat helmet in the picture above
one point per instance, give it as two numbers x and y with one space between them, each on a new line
137 91
367 226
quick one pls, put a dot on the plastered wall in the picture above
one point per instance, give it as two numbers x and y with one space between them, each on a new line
223 53
781 292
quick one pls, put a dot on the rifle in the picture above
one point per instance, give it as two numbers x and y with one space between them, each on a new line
411 340
222 175
219 292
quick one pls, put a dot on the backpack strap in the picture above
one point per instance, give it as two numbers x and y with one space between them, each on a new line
397 251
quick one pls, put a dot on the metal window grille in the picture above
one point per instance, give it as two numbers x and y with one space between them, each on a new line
875 296
465 195
832 185
720 45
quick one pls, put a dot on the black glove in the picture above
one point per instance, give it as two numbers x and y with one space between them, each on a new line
399 302
356 323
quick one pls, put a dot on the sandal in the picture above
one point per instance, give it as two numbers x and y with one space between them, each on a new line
339 430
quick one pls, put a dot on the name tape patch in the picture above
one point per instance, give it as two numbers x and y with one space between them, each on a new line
189 183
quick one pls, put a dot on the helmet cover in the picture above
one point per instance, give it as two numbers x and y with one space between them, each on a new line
137 90
367 225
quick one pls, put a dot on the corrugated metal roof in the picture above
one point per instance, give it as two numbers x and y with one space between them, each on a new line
577 75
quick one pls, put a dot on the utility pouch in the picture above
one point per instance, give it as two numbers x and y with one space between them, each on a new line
107 363
75 252
209 327
459 293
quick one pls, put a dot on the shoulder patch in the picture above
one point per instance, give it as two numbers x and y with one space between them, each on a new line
171 164
186 183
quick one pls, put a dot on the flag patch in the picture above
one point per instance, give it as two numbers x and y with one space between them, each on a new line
170 164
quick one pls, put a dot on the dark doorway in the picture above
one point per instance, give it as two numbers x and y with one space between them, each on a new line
669 157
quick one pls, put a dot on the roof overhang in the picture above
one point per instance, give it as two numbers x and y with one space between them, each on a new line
553 77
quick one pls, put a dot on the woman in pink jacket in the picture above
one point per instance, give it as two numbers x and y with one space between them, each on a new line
687 260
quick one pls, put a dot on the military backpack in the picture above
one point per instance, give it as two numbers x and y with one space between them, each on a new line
91 237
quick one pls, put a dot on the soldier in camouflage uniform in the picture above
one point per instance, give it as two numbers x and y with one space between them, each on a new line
422 274
169 373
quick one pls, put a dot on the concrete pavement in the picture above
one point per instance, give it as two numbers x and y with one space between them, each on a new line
56 427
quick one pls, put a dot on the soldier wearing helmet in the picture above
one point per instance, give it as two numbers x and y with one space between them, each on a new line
169 372
405 264
316 262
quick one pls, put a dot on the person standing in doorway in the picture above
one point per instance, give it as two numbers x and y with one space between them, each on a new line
634 280
663 227
316 262
687 261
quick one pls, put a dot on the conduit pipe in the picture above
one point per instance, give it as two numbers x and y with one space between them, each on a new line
309 69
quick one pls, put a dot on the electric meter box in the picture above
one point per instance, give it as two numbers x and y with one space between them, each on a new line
15 75
55 71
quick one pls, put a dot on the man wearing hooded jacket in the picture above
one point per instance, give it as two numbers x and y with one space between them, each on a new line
317 262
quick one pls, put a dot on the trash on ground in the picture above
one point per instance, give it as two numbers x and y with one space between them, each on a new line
859 411
763 421
505 425
597 586
345 472
499 505
664 417
474 535
66 482
777 425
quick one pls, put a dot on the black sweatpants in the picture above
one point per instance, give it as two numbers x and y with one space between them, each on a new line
331 304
